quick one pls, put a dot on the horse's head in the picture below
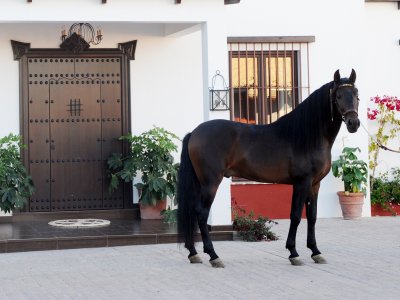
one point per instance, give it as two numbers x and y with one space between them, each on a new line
345 95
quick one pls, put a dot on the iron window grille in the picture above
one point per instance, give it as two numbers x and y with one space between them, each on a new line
267 79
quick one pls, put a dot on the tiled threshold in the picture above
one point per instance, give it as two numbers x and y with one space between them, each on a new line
19 236
59 243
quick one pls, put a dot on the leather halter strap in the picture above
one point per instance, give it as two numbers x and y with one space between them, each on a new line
334 100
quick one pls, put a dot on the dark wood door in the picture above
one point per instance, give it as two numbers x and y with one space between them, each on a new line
75 119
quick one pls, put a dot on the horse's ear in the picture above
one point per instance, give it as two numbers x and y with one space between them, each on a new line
336 77
352 76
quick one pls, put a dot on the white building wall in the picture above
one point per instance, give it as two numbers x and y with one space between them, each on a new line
382 67
181 46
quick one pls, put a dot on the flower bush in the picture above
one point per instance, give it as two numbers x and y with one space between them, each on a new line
384 112
251 229
386 190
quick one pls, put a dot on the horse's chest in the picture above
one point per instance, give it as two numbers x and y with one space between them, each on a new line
322 168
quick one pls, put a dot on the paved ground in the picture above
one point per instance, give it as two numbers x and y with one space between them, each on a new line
363 257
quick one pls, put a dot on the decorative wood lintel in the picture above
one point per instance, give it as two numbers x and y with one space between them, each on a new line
176 1
102 1
128 48
225 1
19 49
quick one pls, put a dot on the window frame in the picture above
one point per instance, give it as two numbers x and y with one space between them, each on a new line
262 50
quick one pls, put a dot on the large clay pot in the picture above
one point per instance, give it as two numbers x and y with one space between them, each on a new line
351 204
150 212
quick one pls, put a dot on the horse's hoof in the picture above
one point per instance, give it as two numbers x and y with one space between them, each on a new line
319 259
195 259
296 261
217 263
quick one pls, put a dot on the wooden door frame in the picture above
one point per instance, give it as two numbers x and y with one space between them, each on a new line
125 52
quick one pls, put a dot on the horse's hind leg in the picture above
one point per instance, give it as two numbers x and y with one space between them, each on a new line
193 257
203 211
300 193
311 211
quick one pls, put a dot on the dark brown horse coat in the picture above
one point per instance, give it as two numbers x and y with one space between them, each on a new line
296 149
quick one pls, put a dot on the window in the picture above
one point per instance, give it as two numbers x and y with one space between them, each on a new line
268 77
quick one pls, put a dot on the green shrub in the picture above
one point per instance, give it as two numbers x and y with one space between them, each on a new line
150 154
15 183
352 171
386 191
169 215
251 229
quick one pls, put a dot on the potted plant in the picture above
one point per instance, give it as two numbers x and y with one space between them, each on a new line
354 174
15 183
150 155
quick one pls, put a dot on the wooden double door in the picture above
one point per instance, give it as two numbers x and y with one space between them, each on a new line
75 117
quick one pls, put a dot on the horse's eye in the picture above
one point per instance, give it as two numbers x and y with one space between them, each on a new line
338 96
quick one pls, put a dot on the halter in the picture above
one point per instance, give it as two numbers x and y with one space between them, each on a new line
331 102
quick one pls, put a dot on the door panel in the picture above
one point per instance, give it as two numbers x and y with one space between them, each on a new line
76 145
75 120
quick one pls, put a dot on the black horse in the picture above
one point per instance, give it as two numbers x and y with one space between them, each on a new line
296 149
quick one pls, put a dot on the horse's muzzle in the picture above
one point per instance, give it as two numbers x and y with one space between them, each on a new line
352 122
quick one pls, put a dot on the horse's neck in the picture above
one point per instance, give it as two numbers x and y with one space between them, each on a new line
333 128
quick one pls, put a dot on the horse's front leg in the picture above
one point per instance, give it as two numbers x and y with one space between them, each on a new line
300 193
311 212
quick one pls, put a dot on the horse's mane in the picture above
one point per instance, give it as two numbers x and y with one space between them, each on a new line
305 125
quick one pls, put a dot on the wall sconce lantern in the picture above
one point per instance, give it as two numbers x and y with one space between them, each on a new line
219 93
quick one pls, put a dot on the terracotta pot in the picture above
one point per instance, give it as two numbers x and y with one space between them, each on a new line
150 212
351 204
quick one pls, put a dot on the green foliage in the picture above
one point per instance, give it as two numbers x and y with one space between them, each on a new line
385 190
251 229
351 170
150 154
170 215
15 183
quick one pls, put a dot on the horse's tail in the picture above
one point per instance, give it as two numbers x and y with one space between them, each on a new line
188 195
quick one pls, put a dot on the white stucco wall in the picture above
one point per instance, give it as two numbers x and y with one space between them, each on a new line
382 63
173 67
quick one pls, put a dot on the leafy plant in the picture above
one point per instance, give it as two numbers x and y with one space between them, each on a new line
150 154
169 215
385 191
251 229
15 183
352 171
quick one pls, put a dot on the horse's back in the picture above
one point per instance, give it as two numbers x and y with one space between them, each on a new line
225 148
214 139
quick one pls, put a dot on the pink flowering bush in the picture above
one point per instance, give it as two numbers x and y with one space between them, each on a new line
384 113
384 105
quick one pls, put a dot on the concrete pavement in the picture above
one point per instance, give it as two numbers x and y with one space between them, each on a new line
363 263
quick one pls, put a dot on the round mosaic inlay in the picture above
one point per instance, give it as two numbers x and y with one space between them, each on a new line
80 223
